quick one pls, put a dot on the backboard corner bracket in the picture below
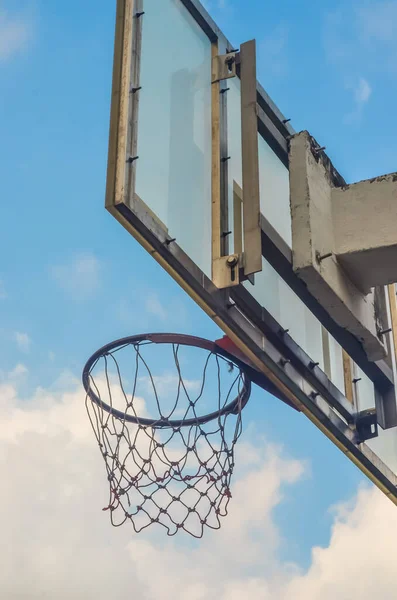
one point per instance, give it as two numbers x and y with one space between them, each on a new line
224 66
225 271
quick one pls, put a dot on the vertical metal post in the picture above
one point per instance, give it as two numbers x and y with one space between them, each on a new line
216 162
225 268
348 376
250 155
135 93
326 352
393 315
237 220
224 191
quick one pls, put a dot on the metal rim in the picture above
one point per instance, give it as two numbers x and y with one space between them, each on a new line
234 406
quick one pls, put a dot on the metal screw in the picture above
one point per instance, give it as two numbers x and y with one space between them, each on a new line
286 121
312 364
318 150
356 380
225 159
225 90
131 159
226 233
232 261
136 89
139 14
321 257
284 361
168 242
384 332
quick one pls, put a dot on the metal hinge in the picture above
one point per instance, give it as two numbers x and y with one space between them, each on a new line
224 66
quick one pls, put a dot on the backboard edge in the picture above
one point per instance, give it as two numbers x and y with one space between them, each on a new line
119 104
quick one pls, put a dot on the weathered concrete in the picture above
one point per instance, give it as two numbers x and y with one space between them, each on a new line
312 183
365 230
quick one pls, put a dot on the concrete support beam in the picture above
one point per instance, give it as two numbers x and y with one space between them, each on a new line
314 242
365 230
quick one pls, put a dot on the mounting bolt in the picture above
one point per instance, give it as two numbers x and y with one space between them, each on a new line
226 233
168 242
285 121
318 150
312 364
356 380
139 14
284 361
321 257
225 90
225 159
133 90
385 331
132 159
314 395
283 331
231 261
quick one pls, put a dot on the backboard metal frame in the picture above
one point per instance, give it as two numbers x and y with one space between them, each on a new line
290 371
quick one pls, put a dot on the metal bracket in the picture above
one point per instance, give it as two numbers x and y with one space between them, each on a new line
224 66
226 271
366 425
250 160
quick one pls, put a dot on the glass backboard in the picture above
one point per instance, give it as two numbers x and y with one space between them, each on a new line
176 151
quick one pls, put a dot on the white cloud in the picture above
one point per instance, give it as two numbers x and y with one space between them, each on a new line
360 558
15 32
23 341
51 511
80 277
54 487
15 376
361 91
19 371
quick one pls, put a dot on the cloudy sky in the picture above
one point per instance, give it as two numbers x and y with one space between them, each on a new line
303 522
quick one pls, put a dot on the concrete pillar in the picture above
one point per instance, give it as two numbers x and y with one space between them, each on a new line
313 182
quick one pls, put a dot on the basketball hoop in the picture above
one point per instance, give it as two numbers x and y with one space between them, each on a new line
168 461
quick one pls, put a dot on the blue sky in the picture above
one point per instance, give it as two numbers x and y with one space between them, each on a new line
72 279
